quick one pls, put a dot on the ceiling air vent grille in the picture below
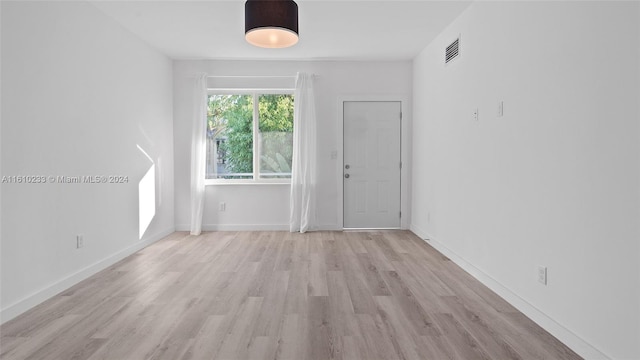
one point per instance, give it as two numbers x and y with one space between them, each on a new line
452 52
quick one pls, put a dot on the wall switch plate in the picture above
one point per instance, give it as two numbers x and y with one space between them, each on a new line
223 206
79 241
542 274
500 108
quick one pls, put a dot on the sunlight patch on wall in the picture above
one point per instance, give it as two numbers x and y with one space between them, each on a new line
146 197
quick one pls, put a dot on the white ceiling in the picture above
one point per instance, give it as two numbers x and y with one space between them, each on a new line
329 30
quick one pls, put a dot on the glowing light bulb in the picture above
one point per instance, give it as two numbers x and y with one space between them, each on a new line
273 38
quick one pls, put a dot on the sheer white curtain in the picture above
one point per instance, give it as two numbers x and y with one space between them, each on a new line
303 168
199 112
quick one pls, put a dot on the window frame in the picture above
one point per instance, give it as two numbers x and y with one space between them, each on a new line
255 93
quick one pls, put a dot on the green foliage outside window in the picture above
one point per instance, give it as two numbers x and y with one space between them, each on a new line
276 130
230 125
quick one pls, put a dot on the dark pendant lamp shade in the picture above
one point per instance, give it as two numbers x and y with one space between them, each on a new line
271 23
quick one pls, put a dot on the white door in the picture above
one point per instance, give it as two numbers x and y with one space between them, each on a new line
371 173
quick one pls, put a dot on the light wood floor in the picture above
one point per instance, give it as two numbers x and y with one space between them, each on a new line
277 295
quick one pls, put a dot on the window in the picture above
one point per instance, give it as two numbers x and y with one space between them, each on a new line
249 136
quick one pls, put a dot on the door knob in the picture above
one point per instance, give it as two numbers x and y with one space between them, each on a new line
347 166
346 176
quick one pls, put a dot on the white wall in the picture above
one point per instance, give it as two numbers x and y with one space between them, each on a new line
79 96
267 206
553 182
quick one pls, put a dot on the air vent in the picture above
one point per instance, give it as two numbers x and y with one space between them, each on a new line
452 52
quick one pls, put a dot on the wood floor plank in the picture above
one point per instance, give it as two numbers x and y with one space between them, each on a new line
269 321
231 296
354 240
81 348
385 248
118 324
436 347
88 325
406 343
34 319
279 295
262 348
237 340
377 254
375 340
350 348
301 249
266 266
292 343
340 305
170 349
452 274
284 259
377 286
332 254
141 339
544 342
423 271
410 306
323 342
297 289
9 343
480 331
209 339
361 296
42 339
396 241
422 289
317 285
464 345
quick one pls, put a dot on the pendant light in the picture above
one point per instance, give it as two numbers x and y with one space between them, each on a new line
271 23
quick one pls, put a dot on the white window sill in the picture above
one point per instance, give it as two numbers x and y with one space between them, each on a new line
247 182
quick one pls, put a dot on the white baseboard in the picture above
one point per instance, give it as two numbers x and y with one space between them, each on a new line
250 227
418 231
46 293
566 336
329 227
237 227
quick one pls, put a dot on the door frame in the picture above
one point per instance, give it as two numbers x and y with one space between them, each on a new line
405 151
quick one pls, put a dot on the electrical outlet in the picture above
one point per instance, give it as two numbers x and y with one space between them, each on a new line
542 274
79 241
223 206
475 114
